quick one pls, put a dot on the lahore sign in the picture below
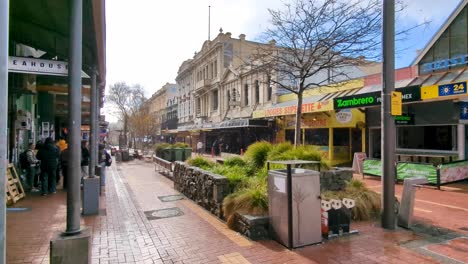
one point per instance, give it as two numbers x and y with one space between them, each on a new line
409 94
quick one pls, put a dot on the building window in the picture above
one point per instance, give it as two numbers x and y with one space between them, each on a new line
198 105
215 100
269 90
257 92
228 96
215 68
246 94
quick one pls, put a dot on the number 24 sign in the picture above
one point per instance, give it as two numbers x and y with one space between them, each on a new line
452 89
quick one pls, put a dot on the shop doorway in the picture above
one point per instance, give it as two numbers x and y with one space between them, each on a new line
356 141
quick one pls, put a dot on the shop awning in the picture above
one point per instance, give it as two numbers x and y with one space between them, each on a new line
234 123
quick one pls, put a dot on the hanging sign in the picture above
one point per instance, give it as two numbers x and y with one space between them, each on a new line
464 110
39 66
404 120
408 94
452 89
396 103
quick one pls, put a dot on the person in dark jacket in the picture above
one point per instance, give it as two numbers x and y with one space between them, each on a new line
84 159
48 155
64 157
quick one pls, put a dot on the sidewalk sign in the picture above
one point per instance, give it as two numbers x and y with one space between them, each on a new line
358 160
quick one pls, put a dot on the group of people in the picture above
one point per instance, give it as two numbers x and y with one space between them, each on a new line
45 168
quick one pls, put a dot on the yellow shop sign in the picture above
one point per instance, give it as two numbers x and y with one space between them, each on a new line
291 110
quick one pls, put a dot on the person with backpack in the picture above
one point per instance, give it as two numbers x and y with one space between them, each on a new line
105 160
48 155
29 162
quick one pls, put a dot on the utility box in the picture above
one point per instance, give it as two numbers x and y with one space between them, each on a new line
295 206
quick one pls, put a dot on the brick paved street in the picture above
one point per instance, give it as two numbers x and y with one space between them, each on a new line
123 234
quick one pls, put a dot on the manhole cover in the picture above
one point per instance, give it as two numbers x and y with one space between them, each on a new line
163 213
170 198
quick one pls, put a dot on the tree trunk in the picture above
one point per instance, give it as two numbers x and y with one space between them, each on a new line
297 134
125 130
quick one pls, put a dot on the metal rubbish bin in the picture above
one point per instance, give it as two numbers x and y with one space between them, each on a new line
187 154
178 154
294 205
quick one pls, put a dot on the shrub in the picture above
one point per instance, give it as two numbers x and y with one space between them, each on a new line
234 161
236 175
367 201
201 163
253 201
279 149
160 147
180 145
258 153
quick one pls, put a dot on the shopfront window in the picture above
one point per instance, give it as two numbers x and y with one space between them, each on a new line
341 137
290 136
426 137
316 137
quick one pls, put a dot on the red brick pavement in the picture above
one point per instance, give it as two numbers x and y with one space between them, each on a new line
124 235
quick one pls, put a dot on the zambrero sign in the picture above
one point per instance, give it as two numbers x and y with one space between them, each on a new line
291 110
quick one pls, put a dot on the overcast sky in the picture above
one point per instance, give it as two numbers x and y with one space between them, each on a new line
147 40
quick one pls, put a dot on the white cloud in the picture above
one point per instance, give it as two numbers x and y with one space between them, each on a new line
147 40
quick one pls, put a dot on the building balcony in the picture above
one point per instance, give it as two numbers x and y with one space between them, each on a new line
203 84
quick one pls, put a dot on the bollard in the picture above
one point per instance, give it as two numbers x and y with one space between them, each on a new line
326 206
334 216
345 217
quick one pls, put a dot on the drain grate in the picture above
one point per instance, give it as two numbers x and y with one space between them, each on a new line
163 213
464 228
171 198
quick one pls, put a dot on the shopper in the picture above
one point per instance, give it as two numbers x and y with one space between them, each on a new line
48 155
31 164
200 147
64 157
84 159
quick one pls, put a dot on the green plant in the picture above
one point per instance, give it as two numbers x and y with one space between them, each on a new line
258 152
236 175
180 145
279 149
253 201
367 201
160 147
201 163
234 161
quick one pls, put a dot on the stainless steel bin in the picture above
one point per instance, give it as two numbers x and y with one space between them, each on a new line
295 218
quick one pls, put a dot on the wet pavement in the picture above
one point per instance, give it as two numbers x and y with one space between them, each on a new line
144 220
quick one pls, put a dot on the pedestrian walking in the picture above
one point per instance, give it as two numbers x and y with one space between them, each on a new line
48 155
64 157
84 159
200 147
103 161
29 164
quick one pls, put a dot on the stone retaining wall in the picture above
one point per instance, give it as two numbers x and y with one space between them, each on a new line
335 180
205 188
253 227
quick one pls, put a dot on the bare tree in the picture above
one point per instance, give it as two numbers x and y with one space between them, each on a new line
316 43
128 100
142 124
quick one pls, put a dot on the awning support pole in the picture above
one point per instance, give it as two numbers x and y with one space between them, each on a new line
4 18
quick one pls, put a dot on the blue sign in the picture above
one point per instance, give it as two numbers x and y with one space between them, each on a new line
464 111
452 89
443 64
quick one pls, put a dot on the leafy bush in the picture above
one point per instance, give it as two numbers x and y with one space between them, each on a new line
201 163
234 161
367 201
180 145
160 147
278 149
253 201
258 153
236 175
